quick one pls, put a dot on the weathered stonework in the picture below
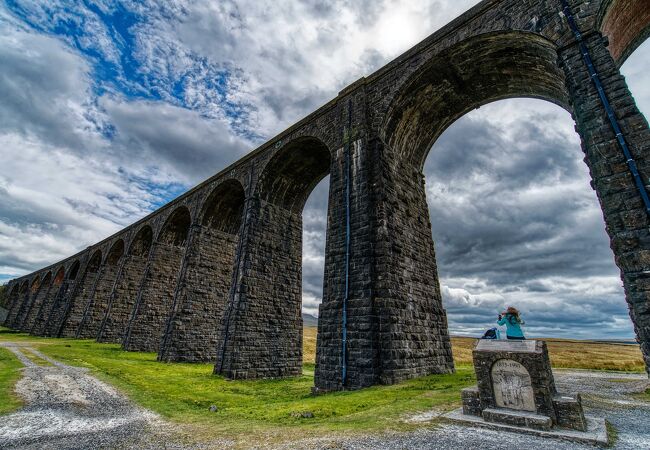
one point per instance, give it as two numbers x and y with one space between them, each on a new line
516 387
228 288
195 327
120 307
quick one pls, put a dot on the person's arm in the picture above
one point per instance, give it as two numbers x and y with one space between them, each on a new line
501 320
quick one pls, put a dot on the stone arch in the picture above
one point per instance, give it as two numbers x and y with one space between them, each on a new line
76 305
98 302
626 24
141 243
39 290
480 70
13 300
59 277
95 262
293 172
13 320
74 270
223 208
55 317
194 326
156 294
174 231
115 253
127 281
269 277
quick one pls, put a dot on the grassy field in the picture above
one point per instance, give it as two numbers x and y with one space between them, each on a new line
9 374
268 410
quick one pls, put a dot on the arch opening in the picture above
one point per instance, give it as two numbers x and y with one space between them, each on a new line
275 259
74 271
174 232
466 76
224 207
142 242
115 253
95 262
626 24
194 326
60 276
516 223
293 172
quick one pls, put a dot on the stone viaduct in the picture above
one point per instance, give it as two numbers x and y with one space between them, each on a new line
215 275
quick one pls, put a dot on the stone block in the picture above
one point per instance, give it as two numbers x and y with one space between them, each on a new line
471 401
518 418
569 412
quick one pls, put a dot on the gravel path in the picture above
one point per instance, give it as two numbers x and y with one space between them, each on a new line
66 408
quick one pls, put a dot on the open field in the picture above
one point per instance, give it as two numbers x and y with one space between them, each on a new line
564 353
270 410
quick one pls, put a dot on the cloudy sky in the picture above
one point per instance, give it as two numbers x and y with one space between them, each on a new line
110 109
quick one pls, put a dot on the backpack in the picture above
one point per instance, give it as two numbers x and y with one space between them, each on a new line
492 333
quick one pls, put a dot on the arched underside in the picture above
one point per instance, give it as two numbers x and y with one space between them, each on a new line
174 232
54 318
194 326
95 262
47 302
142 242
97 304
76 305
115 253
293 172
120 300
470 74
74 271
223 209
156 294
626 23
272 267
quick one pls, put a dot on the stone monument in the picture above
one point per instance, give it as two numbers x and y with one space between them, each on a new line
516 390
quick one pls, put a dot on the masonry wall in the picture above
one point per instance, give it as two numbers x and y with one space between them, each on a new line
413 332
15 315
195 327
78 305
15 305
98 304
155 299
57 312
44 314
35 308
625 217
122 300
264 336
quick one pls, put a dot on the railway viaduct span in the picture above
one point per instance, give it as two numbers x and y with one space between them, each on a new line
215 275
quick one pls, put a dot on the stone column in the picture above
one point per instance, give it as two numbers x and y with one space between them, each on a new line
120 305
13 303
194 326
625 216
98 303
262 328
154 299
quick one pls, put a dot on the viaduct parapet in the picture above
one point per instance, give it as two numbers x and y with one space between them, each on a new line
215 275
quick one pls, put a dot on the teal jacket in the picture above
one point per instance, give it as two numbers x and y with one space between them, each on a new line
513 328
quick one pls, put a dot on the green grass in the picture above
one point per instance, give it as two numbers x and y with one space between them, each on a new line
259 409
9 375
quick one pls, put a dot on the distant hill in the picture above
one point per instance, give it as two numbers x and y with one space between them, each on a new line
309 321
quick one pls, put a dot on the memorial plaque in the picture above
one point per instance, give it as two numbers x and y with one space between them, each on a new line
512 386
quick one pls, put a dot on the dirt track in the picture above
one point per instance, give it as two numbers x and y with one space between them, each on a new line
68 408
